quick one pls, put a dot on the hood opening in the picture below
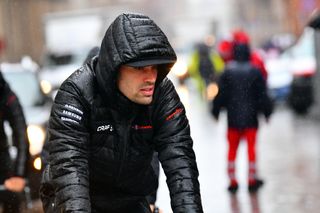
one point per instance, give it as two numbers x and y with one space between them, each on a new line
134 40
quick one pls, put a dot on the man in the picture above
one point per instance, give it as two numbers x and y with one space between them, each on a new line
242 92
107 120
12 174
155 161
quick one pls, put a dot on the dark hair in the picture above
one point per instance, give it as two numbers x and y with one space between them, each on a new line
241 52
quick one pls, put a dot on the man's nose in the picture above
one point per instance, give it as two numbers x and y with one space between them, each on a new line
150 73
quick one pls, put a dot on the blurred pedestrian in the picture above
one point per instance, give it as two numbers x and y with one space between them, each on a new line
109 118
12 171
242 92
225 49
205 67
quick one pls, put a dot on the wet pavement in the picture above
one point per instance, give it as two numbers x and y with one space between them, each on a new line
288 152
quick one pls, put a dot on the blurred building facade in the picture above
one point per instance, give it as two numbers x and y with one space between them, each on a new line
22 24
22 21
266 18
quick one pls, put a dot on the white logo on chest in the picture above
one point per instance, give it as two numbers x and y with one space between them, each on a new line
105 128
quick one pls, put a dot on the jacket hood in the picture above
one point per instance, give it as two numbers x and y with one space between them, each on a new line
132 38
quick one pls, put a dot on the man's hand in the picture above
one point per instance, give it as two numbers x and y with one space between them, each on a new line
15 184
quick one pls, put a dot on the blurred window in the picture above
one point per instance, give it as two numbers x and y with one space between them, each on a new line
26 87
59 59
53 59
305 45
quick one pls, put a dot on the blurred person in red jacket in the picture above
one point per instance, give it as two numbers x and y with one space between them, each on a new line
243 94
225 49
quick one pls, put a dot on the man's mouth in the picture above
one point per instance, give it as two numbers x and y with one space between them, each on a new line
147 91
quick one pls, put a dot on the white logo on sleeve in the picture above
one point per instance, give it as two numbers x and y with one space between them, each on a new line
71 114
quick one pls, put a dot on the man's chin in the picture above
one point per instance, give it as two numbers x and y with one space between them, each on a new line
144 100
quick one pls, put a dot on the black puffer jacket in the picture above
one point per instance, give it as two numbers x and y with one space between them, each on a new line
101 144
11 111
242 92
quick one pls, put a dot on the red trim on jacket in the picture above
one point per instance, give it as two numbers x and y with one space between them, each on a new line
136 127
178 110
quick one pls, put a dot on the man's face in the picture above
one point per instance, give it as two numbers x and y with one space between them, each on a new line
137 84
